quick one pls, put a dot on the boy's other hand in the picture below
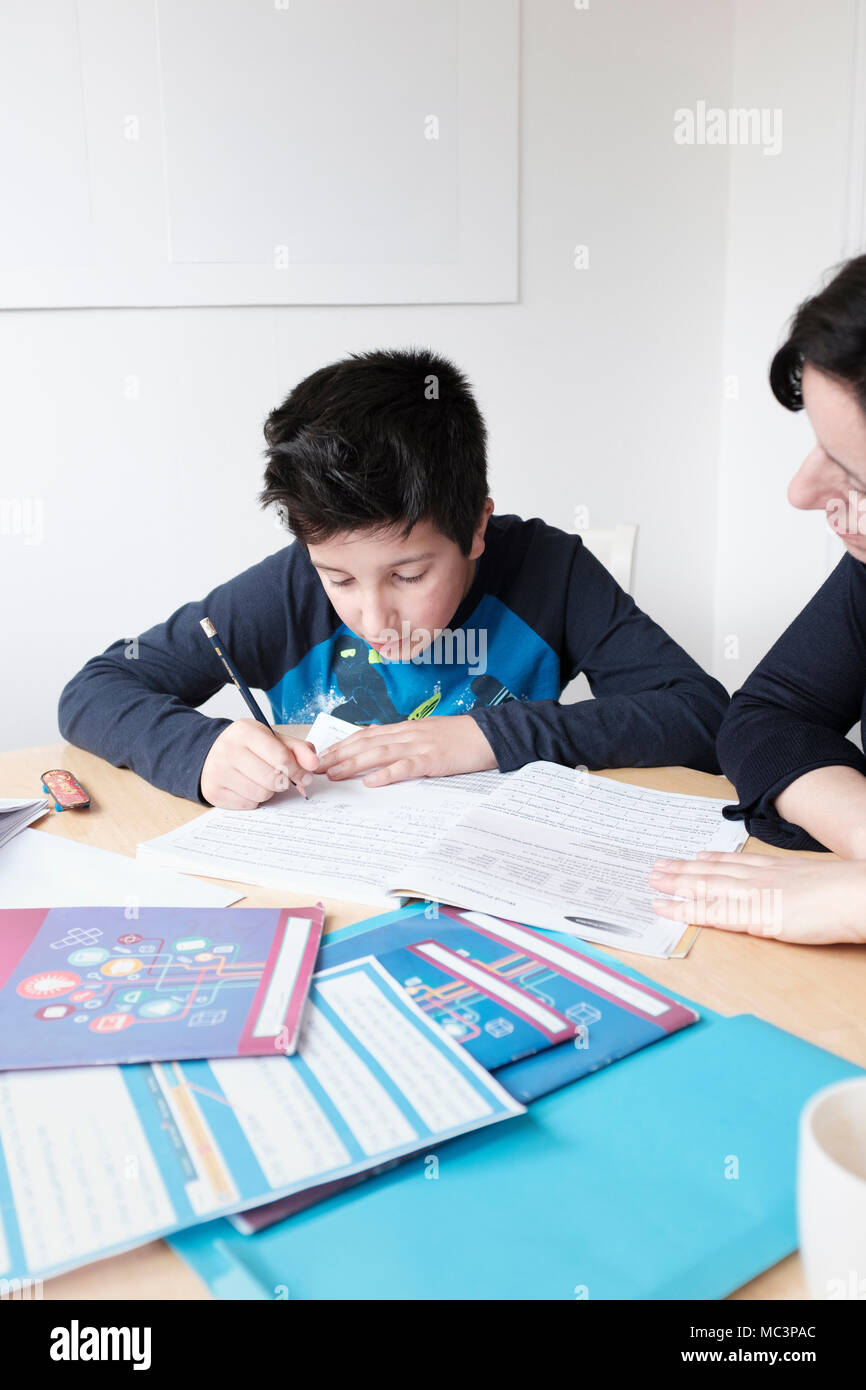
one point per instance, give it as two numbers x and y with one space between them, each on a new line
439 746
248 763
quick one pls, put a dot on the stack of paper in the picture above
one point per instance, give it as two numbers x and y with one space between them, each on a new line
16 814
40 870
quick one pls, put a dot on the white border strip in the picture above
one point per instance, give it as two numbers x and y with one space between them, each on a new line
564 960
489 983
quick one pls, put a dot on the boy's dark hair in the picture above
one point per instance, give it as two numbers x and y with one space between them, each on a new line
379 439
829 332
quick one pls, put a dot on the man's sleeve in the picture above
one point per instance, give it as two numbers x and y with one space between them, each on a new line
135 704
793 713
654 705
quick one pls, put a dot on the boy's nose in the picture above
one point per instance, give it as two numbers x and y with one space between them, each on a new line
814 483
378 618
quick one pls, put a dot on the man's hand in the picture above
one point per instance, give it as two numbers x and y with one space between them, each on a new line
439 746
247 764
797 900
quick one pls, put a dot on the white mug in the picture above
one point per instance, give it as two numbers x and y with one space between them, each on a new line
831 1191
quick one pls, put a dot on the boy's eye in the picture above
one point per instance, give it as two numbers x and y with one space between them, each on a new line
403 578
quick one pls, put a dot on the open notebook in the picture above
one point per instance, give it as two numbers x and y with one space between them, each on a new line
548 846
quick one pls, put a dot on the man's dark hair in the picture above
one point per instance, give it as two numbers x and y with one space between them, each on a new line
380 439
829 332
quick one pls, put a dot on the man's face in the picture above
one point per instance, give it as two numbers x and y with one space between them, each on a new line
396 591
832 478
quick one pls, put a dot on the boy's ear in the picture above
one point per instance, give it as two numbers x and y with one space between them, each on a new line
478 535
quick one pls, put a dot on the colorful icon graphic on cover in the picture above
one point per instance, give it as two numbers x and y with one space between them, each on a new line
48 984
120 968
176 988
87 955
111 1023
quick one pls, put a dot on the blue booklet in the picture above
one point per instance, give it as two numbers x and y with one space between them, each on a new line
535 1012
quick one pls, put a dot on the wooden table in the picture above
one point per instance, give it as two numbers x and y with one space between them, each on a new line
814 991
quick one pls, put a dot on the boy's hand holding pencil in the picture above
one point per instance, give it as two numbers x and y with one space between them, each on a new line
250 761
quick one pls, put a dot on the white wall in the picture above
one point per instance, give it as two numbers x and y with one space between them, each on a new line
787 223
600 387
138 432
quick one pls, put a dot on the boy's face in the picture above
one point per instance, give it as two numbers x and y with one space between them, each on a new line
396 591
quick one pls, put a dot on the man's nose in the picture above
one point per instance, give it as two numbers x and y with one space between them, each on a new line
814 483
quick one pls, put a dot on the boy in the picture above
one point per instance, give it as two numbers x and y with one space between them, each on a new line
405 606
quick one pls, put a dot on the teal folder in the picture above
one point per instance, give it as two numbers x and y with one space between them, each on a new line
668 1175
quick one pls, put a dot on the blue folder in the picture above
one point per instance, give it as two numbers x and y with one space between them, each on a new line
668 1175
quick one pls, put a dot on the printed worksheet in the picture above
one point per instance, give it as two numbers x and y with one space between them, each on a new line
571 852
548 845
99 1159
346 841
614 817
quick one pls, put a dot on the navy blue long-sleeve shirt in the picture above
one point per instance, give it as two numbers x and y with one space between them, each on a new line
541 608
794 711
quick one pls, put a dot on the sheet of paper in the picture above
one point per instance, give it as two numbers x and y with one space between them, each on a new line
16 813
570 852
39 870
347 841
617 818
136 1152
327 729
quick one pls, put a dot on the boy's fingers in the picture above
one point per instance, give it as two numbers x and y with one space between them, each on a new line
365 738
399 771
305 755
260 773
235 780
227 800
376 756
269 746
300 749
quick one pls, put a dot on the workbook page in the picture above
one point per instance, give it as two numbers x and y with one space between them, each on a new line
617 818
570 852
347 841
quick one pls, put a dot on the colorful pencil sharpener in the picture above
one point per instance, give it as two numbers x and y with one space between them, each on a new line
68 793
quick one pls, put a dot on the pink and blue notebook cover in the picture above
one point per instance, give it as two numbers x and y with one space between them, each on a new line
89 985
670 1175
